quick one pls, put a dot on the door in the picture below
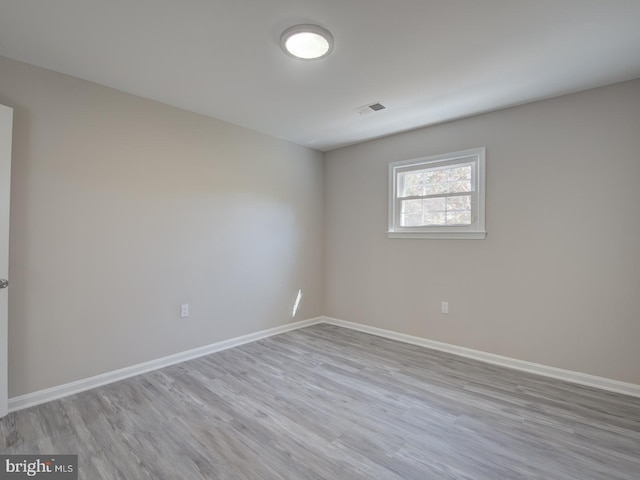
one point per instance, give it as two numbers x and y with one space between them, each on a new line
6 128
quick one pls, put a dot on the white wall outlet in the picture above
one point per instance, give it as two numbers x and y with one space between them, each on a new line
444 307
184 310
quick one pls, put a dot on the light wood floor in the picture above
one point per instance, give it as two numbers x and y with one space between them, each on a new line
329 403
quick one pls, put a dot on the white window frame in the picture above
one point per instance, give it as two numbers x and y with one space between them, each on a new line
475 231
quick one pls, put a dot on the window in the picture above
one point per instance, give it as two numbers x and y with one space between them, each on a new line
438 197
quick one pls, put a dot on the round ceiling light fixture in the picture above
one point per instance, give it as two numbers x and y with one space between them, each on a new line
306 42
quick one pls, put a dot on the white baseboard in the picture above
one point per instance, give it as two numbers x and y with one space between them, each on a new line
552 372
60 391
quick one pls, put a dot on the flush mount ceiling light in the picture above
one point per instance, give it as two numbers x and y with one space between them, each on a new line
306 42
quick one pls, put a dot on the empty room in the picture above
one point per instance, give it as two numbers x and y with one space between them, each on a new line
323 240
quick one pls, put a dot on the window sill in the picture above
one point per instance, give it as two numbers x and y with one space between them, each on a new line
439 235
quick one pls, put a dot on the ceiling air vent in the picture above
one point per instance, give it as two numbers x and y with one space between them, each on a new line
367 109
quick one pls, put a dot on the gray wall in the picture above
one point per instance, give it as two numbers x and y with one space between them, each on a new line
123 208
556 281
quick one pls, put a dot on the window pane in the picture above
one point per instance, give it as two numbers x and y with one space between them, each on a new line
411 213
435 176
411 220
430 212
460 173
462 186
434 204
412 191
413 184
434 218
412 206
436 181
459 203
458 218
436 188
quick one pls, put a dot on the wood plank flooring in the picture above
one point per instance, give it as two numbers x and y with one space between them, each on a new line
326 402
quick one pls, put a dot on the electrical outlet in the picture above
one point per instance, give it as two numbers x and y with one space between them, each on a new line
184 310
444 306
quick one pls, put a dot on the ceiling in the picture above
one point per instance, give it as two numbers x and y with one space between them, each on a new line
427 61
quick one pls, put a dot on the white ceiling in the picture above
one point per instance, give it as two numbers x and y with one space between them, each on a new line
428 61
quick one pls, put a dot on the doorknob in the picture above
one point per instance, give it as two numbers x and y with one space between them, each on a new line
4 283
